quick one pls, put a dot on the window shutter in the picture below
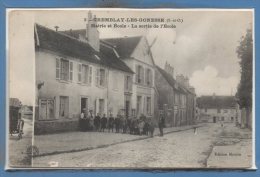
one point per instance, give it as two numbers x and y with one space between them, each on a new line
151 78
130 86
126 84
146 81
105 107
106 77
79 72
71 71
97 106
136 73
67 68
142 75
97 77
90 75
57 68
144 104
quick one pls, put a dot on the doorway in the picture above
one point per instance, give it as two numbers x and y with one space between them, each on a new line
214 120
127 103
84 105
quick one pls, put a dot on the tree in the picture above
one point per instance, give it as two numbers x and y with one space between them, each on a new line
245 54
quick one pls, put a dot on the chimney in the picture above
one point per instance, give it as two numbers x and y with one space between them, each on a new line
169 69
186 82
92 34
192 89
180 79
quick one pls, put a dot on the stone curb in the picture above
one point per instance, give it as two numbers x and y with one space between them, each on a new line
106 145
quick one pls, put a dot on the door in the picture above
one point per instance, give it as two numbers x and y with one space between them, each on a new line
127 108
214 119
84 105
64 106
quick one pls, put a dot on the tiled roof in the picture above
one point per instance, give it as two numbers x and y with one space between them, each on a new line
172 82
112 60
75 33
124 45
71 46
216 102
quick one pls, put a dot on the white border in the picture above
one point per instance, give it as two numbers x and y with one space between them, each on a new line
8 10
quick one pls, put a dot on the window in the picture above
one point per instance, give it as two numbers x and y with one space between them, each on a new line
101 106
176 98
64 106
71 71
79 72
139 74
225 110
128 83
46 109
101 77
84 74
206 109
148 105
57 69
219 110
148 76
64 70
138 105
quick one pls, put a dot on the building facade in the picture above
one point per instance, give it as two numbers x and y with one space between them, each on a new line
175 101
217 108
73 76
135 53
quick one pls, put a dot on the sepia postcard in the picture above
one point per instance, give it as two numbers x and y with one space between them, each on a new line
130 89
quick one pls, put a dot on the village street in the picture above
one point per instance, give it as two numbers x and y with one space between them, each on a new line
17 148
178 149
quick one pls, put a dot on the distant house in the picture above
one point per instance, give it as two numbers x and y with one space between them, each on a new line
175 100
73 76
217 108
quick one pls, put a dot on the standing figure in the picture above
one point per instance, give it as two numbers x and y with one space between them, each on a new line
146 127
140 127
161 125
117 123
151 127
91 121
103 123
97 122
111 122
124 125
128 122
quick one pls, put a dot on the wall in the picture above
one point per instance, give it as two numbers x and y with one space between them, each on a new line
225 113
53 88
165 96
116 95
141 57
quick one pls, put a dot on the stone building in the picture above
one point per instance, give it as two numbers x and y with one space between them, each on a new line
135 53
175 99
73 76
217 108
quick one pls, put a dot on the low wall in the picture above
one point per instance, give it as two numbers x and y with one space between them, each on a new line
55 126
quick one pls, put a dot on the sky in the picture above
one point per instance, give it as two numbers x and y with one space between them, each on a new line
202 48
